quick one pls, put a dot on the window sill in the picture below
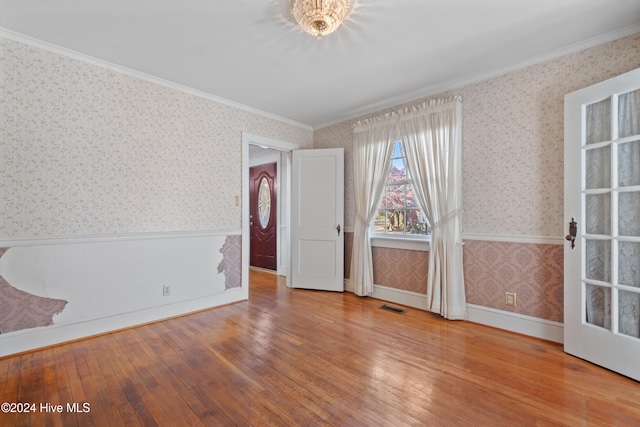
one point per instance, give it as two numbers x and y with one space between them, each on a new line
414 244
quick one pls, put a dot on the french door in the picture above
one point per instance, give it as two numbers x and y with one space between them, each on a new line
602 217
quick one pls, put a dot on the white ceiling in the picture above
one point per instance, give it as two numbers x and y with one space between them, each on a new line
390 51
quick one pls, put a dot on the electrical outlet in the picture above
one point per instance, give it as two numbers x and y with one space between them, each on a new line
166 290
510 299
237 200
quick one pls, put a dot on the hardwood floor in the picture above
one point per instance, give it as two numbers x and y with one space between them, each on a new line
296 357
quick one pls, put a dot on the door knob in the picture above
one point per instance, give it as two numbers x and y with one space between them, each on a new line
338 228
573 231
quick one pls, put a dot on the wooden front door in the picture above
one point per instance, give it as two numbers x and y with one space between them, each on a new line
262 216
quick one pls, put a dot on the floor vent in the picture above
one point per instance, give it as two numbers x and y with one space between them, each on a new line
392 309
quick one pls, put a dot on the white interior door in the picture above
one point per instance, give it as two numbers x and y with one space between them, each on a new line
317 219
602 193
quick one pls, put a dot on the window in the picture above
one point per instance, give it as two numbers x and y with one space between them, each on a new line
399 213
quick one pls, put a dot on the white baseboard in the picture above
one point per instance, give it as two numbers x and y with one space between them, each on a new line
398 296
31 339
526 325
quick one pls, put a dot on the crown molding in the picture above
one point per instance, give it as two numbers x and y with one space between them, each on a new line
22 38
448 86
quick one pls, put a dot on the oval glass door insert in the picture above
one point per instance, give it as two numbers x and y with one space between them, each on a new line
264 202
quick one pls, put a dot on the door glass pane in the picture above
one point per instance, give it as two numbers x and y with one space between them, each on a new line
629 263
598 304
629 214
599 121
598 168
629 164
264 202
629 313
598 210
598 260
629 114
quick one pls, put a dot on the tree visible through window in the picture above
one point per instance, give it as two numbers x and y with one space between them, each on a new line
399 212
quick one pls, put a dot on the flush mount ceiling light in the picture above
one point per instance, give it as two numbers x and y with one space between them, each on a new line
320 17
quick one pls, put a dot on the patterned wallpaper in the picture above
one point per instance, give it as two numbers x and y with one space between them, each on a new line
533 271
85 150
513 140
341 135
513 150
395 268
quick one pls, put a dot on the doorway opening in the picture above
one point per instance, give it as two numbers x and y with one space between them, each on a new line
256 151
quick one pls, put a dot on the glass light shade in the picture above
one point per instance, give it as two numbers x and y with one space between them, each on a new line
320 17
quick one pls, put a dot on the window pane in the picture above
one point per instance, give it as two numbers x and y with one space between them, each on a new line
380 222
416 222
394 221
399 212
398 150
395 196
398 171
383 199
411 201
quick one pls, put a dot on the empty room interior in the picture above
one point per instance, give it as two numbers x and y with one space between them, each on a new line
334 212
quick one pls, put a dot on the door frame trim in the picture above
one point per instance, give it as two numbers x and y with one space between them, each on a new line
252 139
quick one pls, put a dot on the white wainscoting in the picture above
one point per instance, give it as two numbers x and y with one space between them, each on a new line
114 282
526 325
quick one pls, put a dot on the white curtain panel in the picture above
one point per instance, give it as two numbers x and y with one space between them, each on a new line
431 133
372 150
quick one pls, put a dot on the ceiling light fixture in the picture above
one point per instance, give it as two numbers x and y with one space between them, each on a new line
320 17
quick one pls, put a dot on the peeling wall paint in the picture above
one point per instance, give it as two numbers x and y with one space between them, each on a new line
22 310
231 263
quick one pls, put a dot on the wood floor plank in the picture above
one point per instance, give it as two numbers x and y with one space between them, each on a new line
105 382
295 357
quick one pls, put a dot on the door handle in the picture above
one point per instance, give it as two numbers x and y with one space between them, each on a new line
338 228
573 231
